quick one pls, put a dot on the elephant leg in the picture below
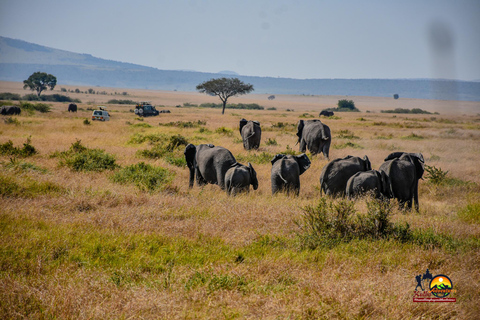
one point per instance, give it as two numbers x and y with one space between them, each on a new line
303 146
326 150
220 179
415 196
200 180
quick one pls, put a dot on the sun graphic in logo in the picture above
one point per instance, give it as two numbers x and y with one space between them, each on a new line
441 286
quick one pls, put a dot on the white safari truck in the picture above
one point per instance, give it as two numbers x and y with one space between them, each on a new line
101 114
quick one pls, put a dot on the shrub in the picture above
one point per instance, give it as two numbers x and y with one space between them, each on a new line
347 134
329 223
11 120
116 101
86 122
81 158
271 142
41 107
144 176
224 131
346 105
7 149
412 111
184 124
165 147
9 96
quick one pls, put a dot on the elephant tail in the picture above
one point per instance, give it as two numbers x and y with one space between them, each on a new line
282 168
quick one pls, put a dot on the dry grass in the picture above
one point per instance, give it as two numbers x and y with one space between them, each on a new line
92 248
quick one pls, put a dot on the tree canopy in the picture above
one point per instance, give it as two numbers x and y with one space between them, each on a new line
40 81
225 88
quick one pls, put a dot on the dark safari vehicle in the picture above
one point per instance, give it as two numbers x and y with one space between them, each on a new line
145 109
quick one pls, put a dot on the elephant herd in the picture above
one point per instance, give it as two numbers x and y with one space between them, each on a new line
10 110
351 176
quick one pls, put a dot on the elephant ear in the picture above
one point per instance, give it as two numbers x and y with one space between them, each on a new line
303 162
394 155
243 122
419 162
368 165
253 176
277 157
300 126
256 122
190 152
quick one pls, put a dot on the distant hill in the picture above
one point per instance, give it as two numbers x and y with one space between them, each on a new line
19 59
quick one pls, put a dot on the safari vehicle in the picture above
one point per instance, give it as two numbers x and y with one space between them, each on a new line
101 115
145 109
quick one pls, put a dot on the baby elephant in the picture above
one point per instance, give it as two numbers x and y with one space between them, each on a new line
369 181
239 178
286 171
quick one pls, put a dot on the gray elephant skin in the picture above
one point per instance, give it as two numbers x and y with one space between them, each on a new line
326 113
286 171
335 175
404 170
208 164
239 178
251 134
10 110
72 107
373 181
315 136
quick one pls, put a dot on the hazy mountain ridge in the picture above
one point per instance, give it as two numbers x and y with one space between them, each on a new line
19 59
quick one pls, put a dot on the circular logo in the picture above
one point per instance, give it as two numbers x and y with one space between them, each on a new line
441 286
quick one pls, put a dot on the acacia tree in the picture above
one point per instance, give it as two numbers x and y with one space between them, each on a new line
225 88
40 81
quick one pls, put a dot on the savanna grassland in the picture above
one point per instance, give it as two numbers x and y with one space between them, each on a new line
122 236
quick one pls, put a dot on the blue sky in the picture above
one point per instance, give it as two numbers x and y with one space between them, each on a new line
295 39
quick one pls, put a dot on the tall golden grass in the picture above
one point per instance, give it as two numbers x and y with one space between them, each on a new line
98 249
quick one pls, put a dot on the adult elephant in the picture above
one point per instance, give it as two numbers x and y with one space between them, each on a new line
404 170
208 163
251 134
239 178
286 171
315 136
326 113
369 181
10 110
335 175
72 107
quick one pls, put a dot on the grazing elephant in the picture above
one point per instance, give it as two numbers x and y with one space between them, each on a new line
334 176
72 107
9 110
404 170
251 134
369 181
239 178
286 171
315 136
208 163
326 113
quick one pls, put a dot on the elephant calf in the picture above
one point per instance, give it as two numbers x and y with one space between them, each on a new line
368 181
286 171
239 178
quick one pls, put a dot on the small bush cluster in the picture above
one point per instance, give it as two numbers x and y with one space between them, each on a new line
330 223
7 149
347 134
117 101
271 142
144 176
184 124
437 176
41 107
225 131
81 158
11 120
165 147
411 111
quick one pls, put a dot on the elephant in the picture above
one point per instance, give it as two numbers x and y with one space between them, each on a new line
315 136
326 113
9 110
404 170
286 171
239 178
72 107
366 181
251 134
208 163
335 175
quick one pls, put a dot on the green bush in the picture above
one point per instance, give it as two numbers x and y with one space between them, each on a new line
164 147
11 120
271 142
330 223
41 107
347 134
9 96
411 111
144 176
80 158
7 149
225 131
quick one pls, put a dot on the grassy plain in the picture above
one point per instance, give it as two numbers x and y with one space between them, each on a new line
77 244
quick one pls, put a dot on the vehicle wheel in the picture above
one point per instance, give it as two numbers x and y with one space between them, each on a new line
140 111
136 111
